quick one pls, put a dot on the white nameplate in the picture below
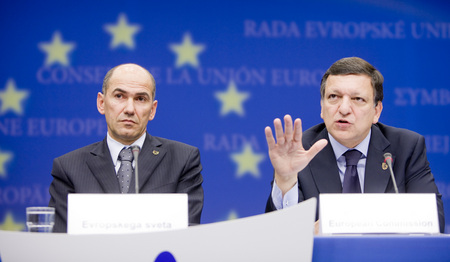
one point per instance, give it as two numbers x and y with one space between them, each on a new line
378 213
126 213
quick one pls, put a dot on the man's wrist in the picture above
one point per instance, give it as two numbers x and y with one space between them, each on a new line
285 183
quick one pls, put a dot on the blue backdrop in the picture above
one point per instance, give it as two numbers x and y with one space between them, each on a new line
224 70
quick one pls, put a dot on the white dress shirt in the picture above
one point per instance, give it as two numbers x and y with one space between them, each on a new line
115 147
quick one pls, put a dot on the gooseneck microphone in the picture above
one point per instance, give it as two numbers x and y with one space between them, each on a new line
388 161
136 149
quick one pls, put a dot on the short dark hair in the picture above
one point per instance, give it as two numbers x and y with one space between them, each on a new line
111 71
355 66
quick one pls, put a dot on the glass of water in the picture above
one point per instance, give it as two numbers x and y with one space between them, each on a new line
40 219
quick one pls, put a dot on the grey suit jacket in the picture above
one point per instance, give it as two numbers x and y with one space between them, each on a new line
165 166
410 166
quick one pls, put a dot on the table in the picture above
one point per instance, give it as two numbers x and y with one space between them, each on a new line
382 248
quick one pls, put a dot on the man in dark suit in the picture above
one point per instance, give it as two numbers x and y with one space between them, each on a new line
128 102
313 162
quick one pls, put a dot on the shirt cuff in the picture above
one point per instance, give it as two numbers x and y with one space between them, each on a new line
289 199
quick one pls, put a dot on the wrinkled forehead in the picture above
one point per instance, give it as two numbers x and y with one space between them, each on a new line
354 83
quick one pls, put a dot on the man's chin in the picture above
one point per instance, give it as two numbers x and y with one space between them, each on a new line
129 137
343 137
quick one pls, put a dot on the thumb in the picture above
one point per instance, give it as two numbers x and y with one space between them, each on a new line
316 148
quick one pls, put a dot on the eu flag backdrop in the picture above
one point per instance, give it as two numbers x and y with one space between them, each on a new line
224 70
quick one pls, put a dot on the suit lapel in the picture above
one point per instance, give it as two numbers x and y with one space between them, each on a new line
102 167
376 178
323 169
151 155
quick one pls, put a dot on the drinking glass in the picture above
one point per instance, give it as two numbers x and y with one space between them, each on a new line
40 219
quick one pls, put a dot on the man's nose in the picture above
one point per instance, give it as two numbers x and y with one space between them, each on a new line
346 106
129 107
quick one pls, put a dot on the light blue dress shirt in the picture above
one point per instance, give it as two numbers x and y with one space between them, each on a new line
291 197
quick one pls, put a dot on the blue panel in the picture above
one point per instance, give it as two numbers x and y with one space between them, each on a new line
381 248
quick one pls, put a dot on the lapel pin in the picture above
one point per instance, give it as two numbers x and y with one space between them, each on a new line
384 165
155 152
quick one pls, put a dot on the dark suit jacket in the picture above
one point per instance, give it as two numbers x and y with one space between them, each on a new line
175 169
410 166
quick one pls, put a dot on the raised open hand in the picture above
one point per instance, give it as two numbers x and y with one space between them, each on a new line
287 154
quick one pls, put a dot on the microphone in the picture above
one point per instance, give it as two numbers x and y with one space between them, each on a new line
388 161
136 149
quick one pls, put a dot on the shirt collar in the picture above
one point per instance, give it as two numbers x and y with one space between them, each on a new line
115 147
340 149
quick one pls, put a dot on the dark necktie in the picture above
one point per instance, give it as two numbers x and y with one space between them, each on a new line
351 179
126 169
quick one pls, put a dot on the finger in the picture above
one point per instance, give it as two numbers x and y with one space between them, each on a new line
269 138
316 148
288 127
298 130
279 131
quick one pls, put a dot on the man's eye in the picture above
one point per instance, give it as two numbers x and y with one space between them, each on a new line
118 95
332 96
141 99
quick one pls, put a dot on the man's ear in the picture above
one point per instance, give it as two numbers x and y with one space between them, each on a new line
321 108
100 103
378 110
153 111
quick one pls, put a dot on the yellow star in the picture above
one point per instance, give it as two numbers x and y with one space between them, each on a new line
4 157
57 50
122 33
12 97
10 225
232 100
233 215
187 52
248 161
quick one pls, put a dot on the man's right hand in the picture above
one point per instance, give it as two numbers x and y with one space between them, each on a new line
287 154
